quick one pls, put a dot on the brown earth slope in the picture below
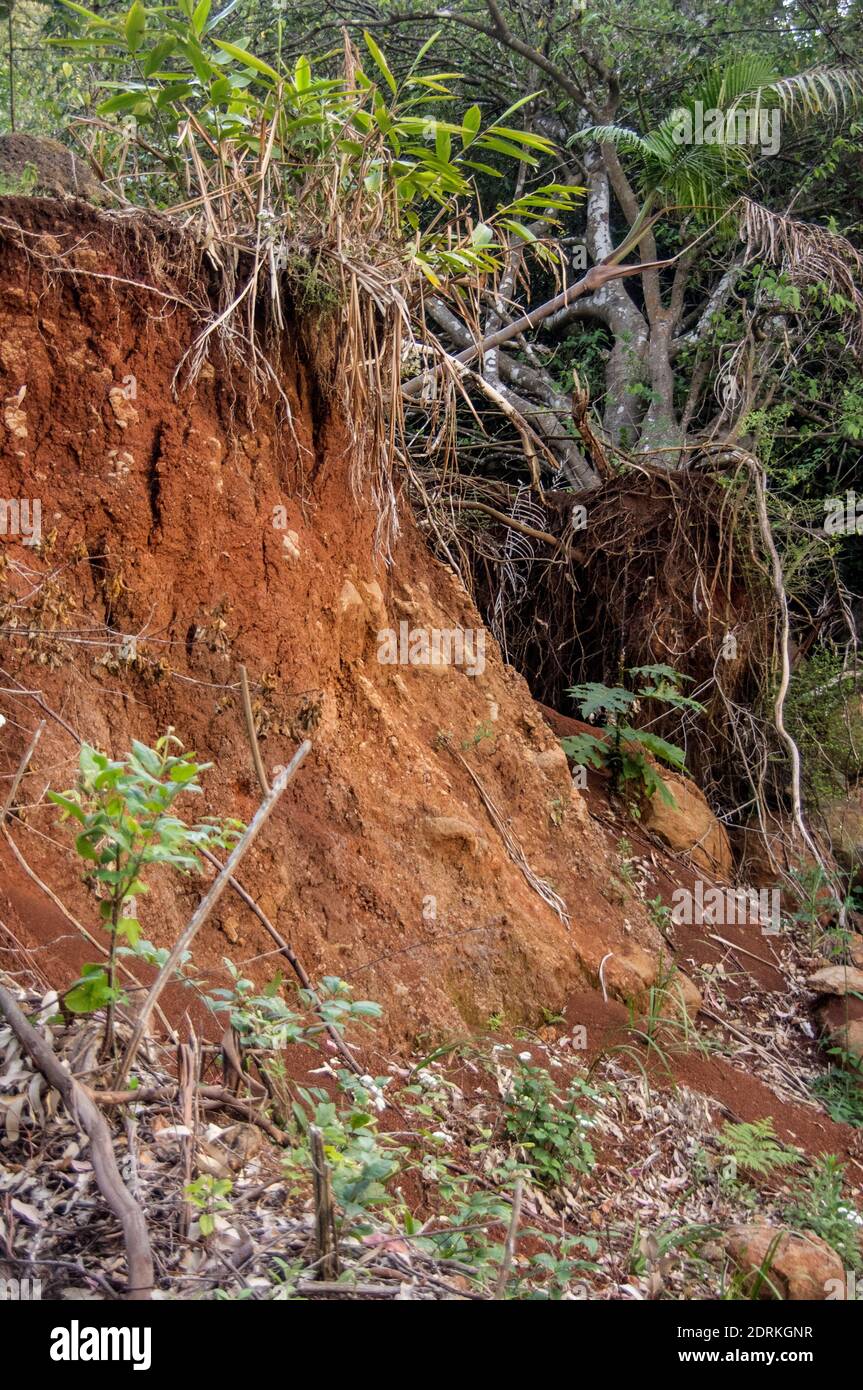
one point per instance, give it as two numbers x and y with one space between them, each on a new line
181 539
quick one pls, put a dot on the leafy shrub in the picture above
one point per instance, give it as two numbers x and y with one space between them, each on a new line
818 1205
549 1128
825 719
210 1196
123 812
361 1160
216 112
263 1020
840 1091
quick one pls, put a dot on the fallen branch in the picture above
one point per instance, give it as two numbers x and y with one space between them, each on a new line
252 732
86 1116
325 1215
743 952
213 1098
596 277
510 1242
205 907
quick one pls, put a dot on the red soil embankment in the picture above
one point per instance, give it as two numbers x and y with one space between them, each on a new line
181 538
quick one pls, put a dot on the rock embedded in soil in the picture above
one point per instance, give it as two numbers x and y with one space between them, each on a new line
45 166
690 827
789 1265
836 979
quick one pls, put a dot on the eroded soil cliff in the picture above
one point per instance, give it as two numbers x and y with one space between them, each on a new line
180 537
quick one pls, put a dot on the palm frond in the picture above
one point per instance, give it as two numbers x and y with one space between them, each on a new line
621 137
708 175
811 256
832 91
722 87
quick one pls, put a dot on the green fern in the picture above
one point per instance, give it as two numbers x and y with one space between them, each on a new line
756 1148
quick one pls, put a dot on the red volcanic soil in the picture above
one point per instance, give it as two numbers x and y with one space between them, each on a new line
186 534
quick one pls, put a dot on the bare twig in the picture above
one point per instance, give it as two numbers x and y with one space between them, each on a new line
205 907
510 1242
208 1097
514 849
215 1097
36 696
252 732
325 1216
22 768
188 1067
87 1117
596 277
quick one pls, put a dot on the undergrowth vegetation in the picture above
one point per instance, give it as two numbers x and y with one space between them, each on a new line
624 752
644 479
339 194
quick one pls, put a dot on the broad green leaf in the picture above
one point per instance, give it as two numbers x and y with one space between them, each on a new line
85 848
591 697
302 74
157 55
85 13
586 749
184 772
130 928
380 61
135 25
519 229
91 992
123 101
523 137
201 15
470 125
490 142
667 752
517 105
68 806
249 59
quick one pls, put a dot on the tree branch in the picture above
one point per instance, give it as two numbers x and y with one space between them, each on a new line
87 1117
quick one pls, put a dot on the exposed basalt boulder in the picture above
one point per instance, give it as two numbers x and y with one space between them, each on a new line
836 979
780 1264
690 827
